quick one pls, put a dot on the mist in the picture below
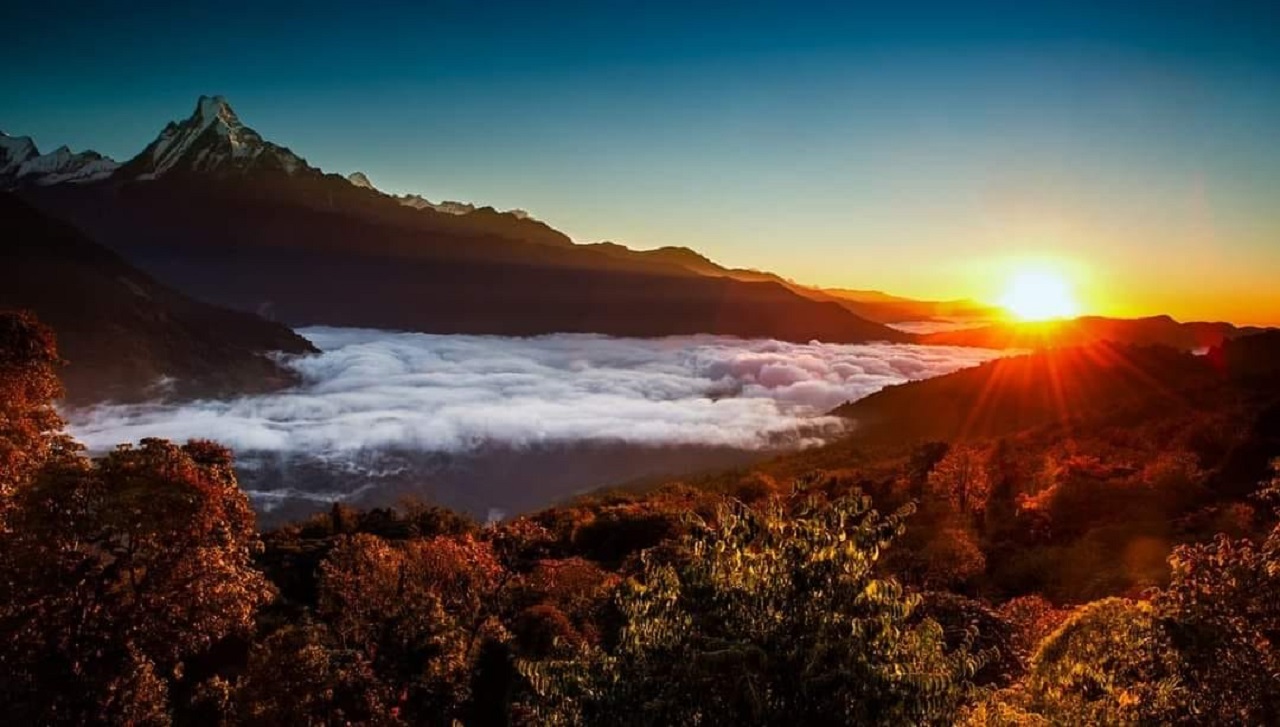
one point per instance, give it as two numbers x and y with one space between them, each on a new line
372 389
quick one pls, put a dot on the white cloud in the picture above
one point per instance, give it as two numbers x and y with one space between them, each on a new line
377 390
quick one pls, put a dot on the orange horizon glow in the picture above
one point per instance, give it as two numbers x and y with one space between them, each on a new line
1039 295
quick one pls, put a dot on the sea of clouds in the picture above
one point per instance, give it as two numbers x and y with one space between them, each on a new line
372 389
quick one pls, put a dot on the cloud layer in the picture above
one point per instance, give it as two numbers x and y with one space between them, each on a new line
384 390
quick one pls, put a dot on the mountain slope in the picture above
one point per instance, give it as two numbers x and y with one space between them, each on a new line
1068 388
1153 331
124 335
224 215
212 141
870 304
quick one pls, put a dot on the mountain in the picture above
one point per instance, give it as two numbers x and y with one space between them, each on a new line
22 164
14 152
869 304
212 141
360 180
887 308
1069 388
217 211
419 202
124 335
1153 331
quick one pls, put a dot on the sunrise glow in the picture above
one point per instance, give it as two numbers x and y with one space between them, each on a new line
1039 295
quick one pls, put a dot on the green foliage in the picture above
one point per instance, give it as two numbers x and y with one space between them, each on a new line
1222 611
776 616
1108 664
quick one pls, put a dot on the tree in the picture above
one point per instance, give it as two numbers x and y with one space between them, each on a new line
296 676
30 428
961 479
417 611
116 571
1222 612
1109 663
776 617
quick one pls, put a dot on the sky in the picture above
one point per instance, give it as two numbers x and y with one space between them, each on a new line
929 149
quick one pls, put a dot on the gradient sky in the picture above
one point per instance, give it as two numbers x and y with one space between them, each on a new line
923 148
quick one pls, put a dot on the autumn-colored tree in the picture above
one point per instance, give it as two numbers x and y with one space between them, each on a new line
961 479
576 588
296 676
1222 611
618 532
920 463
116 571
1176 480
1032 619
418 611
756 487
776 618
30 428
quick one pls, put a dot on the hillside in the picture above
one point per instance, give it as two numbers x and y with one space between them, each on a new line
1066 388
1152 331
221 213
870 304
124 335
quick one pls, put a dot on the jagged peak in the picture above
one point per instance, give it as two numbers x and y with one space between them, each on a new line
24 144
212 140
360 180
22 165
213 109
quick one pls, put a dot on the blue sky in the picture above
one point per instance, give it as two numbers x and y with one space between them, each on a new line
922 148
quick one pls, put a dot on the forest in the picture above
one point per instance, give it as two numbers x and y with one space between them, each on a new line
1118 566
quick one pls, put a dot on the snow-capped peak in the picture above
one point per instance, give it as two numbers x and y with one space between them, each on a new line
451 207
213 140
14 150
22 164
215 108
360 180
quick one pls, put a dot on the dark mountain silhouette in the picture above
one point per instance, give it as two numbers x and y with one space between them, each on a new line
887 308
870 304
1153 331
124 335
213 209
1068 388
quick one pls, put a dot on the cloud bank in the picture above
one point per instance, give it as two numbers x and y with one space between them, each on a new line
386 390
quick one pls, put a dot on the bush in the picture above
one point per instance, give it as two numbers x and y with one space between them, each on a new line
777 618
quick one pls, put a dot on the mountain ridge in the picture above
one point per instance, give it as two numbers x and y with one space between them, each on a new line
22 164
216 210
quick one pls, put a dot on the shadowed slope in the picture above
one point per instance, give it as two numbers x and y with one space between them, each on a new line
1063 387
120 330
1153 331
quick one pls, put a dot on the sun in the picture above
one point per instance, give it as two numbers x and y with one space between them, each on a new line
1039 295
